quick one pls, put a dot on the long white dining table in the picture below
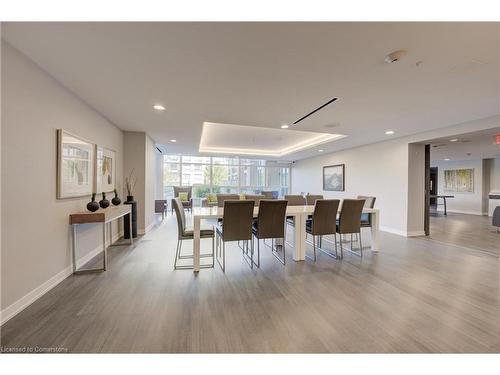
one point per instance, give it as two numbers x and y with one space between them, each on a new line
300 213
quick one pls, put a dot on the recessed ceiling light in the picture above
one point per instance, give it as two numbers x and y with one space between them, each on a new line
454 140
159 107
447 159
320 150
390 132
284 126
173 140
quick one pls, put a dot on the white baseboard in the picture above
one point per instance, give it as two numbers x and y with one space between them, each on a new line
15 308
148 228
393 231
23 302
415 233
402 232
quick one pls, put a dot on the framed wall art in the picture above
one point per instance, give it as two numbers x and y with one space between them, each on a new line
459 180
333 177
75 166
105 170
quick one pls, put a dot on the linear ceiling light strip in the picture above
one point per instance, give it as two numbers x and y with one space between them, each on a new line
314 111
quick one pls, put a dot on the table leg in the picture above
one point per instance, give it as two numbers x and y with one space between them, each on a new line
105 263
375 229
74 247
444 202
300 238
196 244
130 227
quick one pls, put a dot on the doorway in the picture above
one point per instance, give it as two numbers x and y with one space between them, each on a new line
433 185
462 174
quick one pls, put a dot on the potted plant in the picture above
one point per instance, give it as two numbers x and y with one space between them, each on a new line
130 182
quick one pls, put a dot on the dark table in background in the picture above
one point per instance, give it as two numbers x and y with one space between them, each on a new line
443 197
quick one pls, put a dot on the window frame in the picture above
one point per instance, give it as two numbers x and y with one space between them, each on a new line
240 165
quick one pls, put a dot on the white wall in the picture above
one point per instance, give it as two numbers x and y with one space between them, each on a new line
140 157
467 203
1 241
134 162
159 176
393 171
494 171
36 252
416 189
379 170
150 183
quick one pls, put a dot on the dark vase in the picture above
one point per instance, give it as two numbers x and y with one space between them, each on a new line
116 201
130 198
93 206
104 203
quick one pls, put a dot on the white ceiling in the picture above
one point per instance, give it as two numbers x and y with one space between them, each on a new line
258 141
268 74
476 145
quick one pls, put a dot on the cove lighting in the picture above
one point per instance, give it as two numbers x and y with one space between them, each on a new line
234 139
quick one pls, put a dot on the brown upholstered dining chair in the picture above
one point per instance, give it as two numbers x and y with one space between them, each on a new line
268 194
188 204
161 207
323 223
186 233
236 225
226 197
350 220
255 198
311 199
270 224
294 200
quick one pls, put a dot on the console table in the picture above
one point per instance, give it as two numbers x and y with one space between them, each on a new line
101 216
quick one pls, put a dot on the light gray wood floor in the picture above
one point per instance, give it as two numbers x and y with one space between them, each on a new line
472 231
415 295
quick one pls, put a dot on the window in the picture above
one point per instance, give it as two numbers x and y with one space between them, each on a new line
223 175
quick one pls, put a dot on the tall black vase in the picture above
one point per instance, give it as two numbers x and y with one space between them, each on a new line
126 231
